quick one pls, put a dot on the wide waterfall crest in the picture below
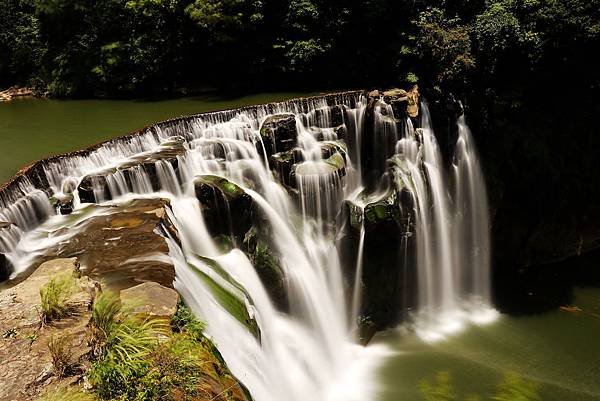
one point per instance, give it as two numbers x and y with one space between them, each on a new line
296 187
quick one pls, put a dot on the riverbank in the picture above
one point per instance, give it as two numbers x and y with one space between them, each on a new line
17 92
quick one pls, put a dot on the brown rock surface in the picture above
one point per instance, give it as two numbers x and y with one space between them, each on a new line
26 361
151 299
120 245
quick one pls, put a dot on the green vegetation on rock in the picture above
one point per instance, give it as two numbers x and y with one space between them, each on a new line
152 359
55 297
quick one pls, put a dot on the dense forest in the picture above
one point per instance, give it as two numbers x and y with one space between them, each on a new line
141 47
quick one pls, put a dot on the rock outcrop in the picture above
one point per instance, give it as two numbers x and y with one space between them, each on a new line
151 300
120 244
26 365
226 207
389 228
15 92
279 133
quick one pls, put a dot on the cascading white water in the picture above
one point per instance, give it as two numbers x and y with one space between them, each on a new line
452 231
472 225
308 352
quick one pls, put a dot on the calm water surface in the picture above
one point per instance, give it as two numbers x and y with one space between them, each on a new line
559 350
31 129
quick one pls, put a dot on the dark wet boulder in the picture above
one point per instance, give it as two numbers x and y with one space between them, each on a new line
62 202
267 266
337 115
388 270
93 188
5 267
226 207
281 164
279 133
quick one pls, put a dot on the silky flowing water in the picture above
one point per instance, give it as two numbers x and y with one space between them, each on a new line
309 352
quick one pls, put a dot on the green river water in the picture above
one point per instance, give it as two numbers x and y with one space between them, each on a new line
559 350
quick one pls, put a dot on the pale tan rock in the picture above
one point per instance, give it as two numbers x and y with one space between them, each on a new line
151 299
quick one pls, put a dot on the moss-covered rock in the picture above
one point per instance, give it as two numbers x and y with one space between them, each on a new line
227 292
278 133
281 164
267 266
389 270
226 207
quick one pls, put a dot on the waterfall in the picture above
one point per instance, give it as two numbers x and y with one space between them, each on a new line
453 247
294 188
472 218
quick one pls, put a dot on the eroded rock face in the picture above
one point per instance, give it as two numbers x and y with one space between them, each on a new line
26 365
151 300
279 133
226 207
267 265
388 241
122 244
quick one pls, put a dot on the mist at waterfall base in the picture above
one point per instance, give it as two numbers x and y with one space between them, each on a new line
308 352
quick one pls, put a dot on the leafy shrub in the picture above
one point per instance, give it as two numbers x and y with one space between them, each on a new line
141 359
184 320
55 297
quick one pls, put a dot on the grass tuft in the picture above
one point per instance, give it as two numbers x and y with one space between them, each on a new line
60 351
55 297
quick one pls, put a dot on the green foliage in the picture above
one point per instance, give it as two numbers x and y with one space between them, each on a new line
55 297
21 45
445 45
133 47
185 321
105 311
225 19
264 260
144 360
